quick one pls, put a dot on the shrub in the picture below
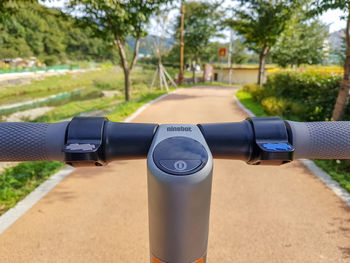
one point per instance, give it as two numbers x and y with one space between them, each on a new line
275 106
308 96
51 60
258 92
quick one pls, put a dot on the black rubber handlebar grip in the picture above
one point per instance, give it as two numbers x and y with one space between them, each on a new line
23 141
321 140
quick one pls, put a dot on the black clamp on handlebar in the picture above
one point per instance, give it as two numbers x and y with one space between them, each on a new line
83 141
272 146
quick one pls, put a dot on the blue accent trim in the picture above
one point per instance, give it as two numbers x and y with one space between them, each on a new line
281 146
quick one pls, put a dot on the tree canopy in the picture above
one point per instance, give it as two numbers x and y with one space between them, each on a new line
202 22
325 5
114 21
321 6
303 42
261 22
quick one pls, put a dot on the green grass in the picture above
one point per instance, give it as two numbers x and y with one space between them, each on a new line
336 171
247 100
106 79
18 181
73 109
126 108
140 95
45 87
332 167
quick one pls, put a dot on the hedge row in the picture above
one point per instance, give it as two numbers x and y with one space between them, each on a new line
303 96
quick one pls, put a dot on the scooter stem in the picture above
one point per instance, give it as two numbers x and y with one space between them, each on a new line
180 168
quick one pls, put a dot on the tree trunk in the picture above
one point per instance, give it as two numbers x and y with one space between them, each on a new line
136 52
343 95
262 60
127 84
193 72
125 65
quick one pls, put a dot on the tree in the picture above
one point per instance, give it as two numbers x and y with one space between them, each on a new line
301 43
239 52
343 95
261 22
115 20
202 22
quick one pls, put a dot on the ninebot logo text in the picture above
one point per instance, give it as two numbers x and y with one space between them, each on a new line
181 128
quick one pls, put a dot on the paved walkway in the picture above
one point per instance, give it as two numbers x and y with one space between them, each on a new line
259 214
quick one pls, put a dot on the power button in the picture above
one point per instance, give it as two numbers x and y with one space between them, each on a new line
180 166
180 156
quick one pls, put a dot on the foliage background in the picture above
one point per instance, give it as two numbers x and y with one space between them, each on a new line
51 36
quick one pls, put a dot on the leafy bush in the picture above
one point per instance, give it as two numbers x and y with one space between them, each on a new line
257 91
283 107
307 96
51 60
275 106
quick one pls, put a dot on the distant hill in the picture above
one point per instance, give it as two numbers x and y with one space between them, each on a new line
337 47
146 44
336 39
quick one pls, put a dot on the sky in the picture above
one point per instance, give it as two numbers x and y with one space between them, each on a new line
331 18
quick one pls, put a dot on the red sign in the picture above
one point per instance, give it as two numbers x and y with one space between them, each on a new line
222 52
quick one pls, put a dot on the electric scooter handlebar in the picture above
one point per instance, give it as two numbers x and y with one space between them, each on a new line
97 141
